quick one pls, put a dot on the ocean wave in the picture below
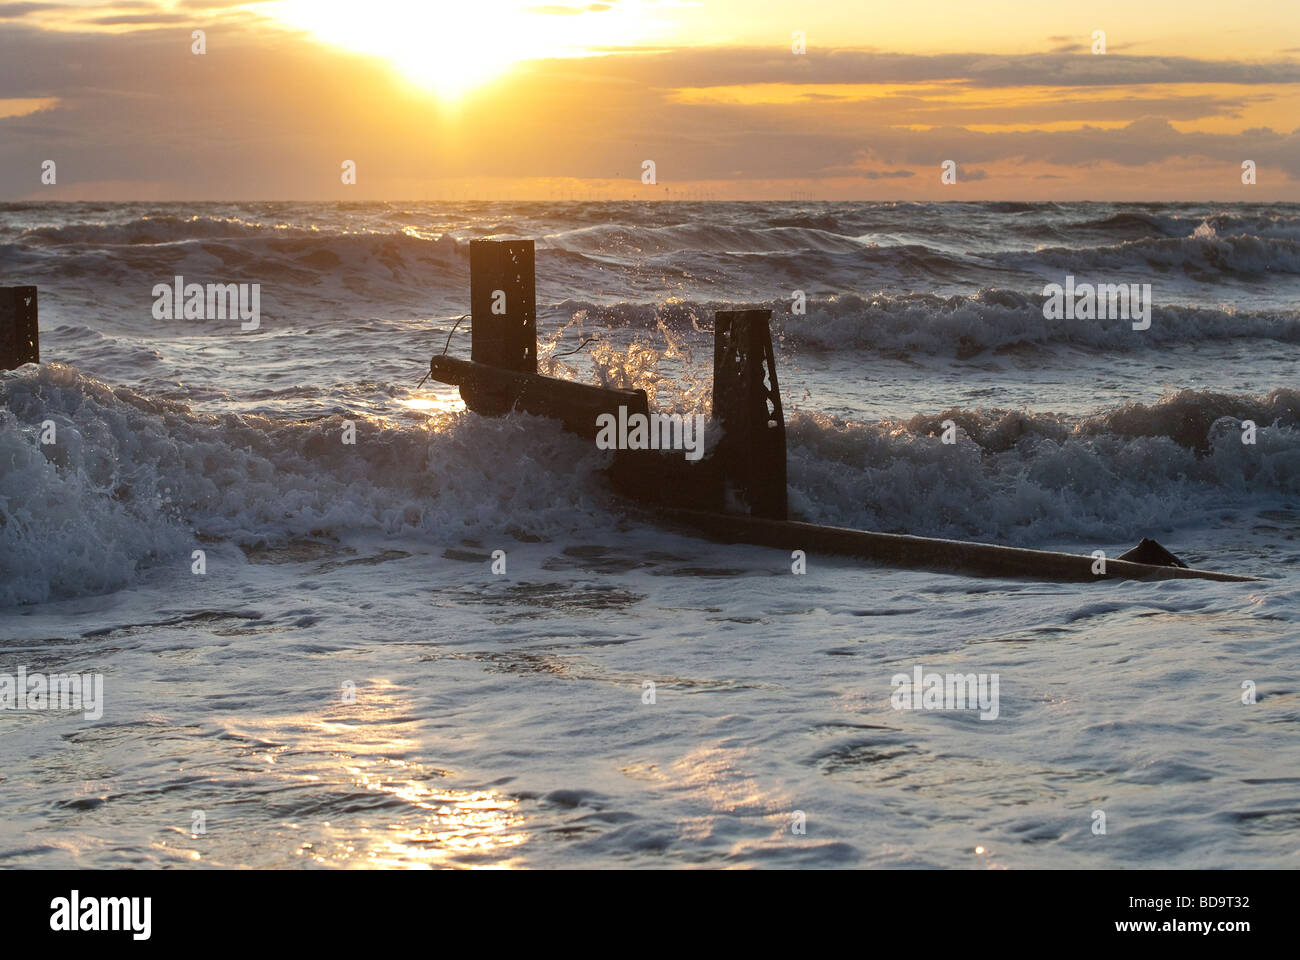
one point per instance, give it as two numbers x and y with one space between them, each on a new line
134 481
1132 224
641 240
1205 254
1026 478
161 229
1226 224
995 319
883 260
830 247
304 266
1136 224
929 324
82 248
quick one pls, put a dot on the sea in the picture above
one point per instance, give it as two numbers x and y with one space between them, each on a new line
342 622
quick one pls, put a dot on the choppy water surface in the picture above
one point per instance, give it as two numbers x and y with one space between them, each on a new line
350 685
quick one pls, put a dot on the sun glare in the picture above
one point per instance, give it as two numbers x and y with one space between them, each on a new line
451 47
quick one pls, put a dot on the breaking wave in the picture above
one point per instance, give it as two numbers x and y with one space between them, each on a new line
133 480
1205 252
929 324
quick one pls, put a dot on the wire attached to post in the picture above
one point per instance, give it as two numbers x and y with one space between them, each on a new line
556 356
444 348
453 330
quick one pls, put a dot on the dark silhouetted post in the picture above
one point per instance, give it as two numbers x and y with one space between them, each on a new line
19 335
503 304
747 405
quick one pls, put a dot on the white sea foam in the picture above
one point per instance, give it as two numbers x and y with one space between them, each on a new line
499 718
132 479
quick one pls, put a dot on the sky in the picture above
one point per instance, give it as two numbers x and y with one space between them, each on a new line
730 99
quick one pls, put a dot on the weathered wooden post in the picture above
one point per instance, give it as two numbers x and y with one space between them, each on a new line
19 333
747 405
503 314
503 304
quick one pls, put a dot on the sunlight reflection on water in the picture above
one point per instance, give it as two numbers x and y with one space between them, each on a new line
359 747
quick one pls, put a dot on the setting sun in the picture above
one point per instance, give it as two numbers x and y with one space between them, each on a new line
450 48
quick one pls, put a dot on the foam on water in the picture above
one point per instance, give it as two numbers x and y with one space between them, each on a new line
499 716
131 479
957 325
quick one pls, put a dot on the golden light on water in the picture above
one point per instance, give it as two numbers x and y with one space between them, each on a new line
362 747
459 824
433 404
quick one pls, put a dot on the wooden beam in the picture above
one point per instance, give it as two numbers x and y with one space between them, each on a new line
491 391
929 553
